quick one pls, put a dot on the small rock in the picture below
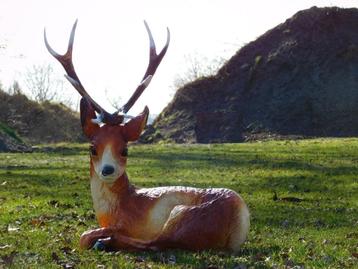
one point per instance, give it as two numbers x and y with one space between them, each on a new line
12 229
285 223
172 259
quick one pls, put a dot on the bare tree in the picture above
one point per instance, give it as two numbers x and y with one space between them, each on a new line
41 83
70 100
115 102
45 85
15 88
197 66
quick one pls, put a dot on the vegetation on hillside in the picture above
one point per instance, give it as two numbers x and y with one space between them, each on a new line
303 198
297 79
39 122
10 132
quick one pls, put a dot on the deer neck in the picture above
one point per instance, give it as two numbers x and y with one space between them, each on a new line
107 197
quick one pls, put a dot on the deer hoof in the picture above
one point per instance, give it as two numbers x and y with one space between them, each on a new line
99 246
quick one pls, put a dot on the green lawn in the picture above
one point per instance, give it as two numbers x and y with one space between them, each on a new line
45 203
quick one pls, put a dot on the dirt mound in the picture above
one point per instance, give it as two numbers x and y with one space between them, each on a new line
39 123
298 79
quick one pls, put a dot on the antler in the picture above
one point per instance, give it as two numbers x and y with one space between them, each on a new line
104 116
66 61
154 61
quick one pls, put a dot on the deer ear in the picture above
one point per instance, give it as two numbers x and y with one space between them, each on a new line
87 114
134 127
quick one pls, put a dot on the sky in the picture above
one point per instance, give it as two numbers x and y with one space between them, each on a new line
111 44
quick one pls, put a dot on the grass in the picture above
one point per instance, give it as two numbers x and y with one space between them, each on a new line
10 132
45 203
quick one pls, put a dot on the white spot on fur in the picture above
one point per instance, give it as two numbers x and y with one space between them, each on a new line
240 231
163 210
103 198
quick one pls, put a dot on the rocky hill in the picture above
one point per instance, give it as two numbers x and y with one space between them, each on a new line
298 79
38 123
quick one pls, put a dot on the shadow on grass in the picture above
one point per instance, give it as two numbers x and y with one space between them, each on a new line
209 259
72 149
309 177
181 160
199 161
41 182
290 217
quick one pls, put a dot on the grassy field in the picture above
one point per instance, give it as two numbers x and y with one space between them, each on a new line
45 203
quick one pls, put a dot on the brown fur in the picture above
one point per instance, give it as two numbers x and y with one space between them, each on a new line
157 218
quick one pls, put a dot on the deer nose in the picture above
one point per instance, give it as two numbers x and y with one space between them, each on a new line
107 170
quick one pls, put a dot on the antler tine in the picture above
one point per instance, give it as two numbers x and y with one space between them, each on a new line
154 61
66 62
65 59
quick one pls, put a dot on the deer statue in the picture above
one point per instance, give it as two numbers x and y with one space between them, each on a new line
132 218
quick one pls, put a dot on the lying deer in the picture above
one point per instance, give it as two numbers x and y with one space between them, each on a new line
147 218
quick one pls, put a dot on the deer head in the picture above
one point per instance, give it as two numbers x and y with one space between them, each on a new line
109 133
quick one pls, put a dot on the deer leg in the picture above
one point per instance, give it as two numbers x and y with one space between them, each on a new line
205 226
122 242
89 238
187 227
112 239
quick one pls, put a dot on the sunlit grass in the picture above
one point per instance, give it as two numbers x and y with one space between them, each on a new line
45 203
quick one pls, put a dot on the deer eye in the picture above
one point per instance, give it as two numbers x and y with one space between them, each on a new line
125 152
93 150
